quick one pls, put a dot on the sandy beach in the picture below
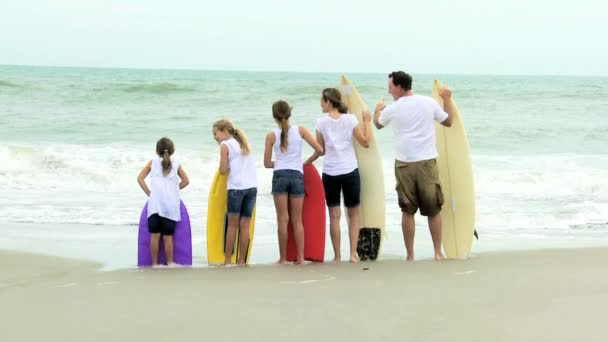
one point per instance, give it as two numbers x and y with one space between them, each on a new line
548 295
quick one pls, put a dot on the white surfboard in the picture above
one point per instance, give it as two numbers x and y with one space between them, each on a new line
373 211
456 177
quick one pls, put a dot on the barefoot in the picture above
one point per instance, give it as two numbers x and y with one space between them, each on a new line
410 258
439 257
336 260
281 262
354 258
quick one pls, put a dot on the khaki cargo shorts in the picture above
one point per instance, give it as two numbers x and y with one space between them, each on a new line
418 187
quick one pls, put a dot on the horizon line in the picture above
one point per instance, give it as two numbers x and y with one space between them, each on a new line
290 71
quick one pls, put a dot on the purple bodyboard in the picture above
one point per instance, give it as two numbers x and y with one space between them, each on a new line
182 241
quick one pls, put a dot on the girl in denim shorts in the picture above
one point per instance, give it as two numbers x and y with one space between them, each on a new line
335 132
236 162
288 177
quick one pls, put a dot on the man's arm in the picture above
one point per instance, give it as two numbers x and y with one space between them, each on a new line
379 108
448 106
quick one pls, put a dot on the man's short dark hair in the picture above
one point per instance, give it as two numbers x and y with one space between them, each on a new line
401 79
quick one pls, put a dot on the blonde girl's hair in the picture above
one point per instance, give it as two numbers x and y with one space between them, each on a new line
238 134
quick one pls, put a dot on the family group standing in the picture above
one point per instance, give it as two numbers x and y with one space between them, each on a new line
412 117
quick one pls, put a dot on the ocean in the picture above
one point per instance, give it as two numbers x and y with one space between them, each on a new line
73 140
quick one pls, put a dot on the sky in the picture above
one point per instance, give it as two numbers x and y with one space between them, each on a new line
434 36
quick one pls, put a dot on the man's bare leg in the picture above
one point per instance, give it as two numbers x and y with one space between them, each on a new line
435 228
409 229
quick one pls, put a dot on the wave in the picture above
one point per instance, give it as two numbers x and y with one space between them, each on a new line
542 176
159 88
97 168
9 84
590 226
96 184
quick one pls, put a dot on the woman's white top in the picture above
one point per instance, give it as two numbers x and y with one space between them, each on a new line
339 157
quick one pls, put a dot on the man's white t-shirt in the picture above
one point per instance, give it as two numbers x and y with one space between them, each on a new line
412 120
339 157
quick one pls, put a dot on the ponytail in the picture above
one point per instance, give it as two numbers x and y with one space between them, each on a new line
164 149
284 135
281 111
241 138
166 163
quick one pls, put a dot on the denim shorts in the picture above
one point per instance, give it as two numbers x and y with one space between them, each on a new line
288 182
349 184
241 202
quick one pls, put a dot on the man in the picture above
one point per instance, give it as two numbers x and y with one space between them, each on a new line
415 167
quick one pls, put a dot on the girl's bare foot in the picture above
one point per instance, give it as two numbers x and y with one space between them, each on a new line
354 258
281 262
439 257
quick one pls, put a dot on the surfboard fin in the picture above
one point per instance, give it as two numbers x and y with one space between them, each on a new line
475 234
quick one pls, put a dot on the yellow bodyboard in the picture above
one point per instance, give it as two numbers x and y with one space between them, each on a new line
216 223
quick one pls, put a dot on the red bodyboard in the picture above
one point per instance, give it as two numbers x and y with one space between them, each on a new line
313 219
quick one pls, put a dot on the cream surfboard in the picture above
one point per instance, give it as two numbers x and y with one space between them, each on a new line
217 223
456 177
373 211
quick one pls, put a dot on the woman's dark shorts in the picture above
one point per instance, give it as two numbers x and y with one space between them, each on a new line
349 183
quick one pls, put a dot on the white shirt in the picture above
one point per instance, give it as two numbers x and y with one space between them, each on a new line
242 173
164 191
292 158
339 158
412 120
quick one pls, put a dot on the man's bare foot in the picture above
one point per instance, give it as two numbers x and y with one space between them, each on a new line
410 258
300 261
439 257
336 259
281 262
354 258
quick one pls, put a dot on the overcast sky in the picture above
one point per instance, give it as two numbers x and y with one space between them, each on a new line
435 36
